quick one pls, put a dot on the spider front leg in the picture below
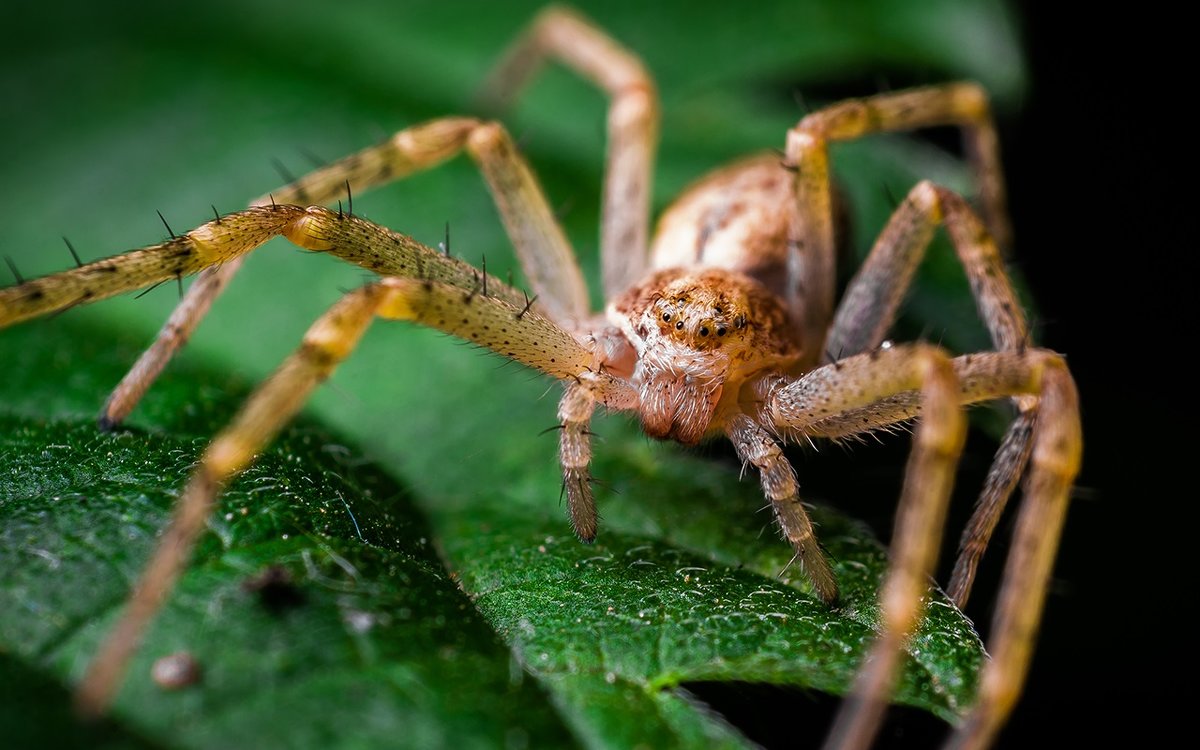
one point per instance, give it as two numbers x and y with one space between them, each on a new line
271 407
575 455
755 446
226 238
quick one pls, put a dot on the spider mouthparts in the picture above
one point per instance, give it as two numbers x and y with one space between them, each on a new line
678 408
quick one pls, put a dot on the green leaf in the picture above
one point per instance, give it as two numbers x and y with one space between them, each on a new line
374 632
441 599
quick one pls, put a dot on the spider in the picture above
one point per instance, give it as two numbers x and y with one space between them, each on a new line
722 324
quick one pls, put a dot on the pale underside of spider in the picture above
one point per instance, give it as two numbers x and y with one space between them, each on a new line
723 324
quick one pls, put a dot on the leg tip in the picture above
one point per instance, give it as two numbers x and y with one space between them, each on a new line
587 537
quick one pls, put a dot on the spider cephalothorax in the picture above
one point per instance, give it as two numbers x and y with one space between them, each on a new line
699 334
725 325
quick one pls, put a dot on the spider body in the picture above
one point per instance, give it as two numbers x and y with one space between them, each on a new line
710 316
724 325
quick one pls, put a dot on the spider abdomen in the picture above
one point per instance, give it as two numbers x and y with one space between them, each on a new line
735 218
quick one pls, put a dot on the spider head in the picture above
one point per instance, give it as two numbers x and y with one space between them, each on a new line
698 335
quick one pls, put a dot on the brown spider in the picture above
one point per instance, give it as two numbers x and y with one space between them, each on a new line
719 326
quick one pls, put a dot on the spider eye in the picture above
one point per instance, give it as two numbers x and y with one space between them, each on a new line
679 326
666 316
704 330
721 331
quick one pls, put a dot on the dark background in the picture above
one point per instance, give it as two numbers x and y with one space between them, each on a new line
1090 206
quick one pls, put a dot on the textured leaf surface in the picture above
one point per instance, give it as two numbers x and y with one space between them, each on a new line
373 632
438 596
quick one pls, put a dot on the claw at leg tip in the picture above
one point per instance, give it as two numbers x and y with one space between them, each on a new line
587 536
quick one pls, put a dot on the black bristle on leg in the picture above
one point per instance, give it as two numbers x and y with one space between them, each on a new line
75 255
165 224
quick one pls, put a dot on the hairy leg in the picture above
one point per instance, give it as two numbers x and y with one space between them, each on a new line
537 342
812 273
869 307
231 236
574 456
541 246
851 385
755 446
868 310
566 36
1057 452
408 151
805 408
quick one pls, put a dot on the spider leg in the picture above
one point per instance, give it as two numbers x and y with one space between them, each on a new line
271 407
755 445
544 252
869 306
493 320
408 151
538 342
868 310
545 255
633 117
575 455
1056 457
864 393
853 384
231 236
812 276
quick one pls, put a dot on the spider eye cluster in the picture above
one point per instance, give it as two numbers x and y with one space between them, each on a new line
701 326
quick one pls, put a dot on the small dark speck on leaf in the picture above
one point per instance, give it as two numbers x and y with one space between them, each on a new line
275 588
